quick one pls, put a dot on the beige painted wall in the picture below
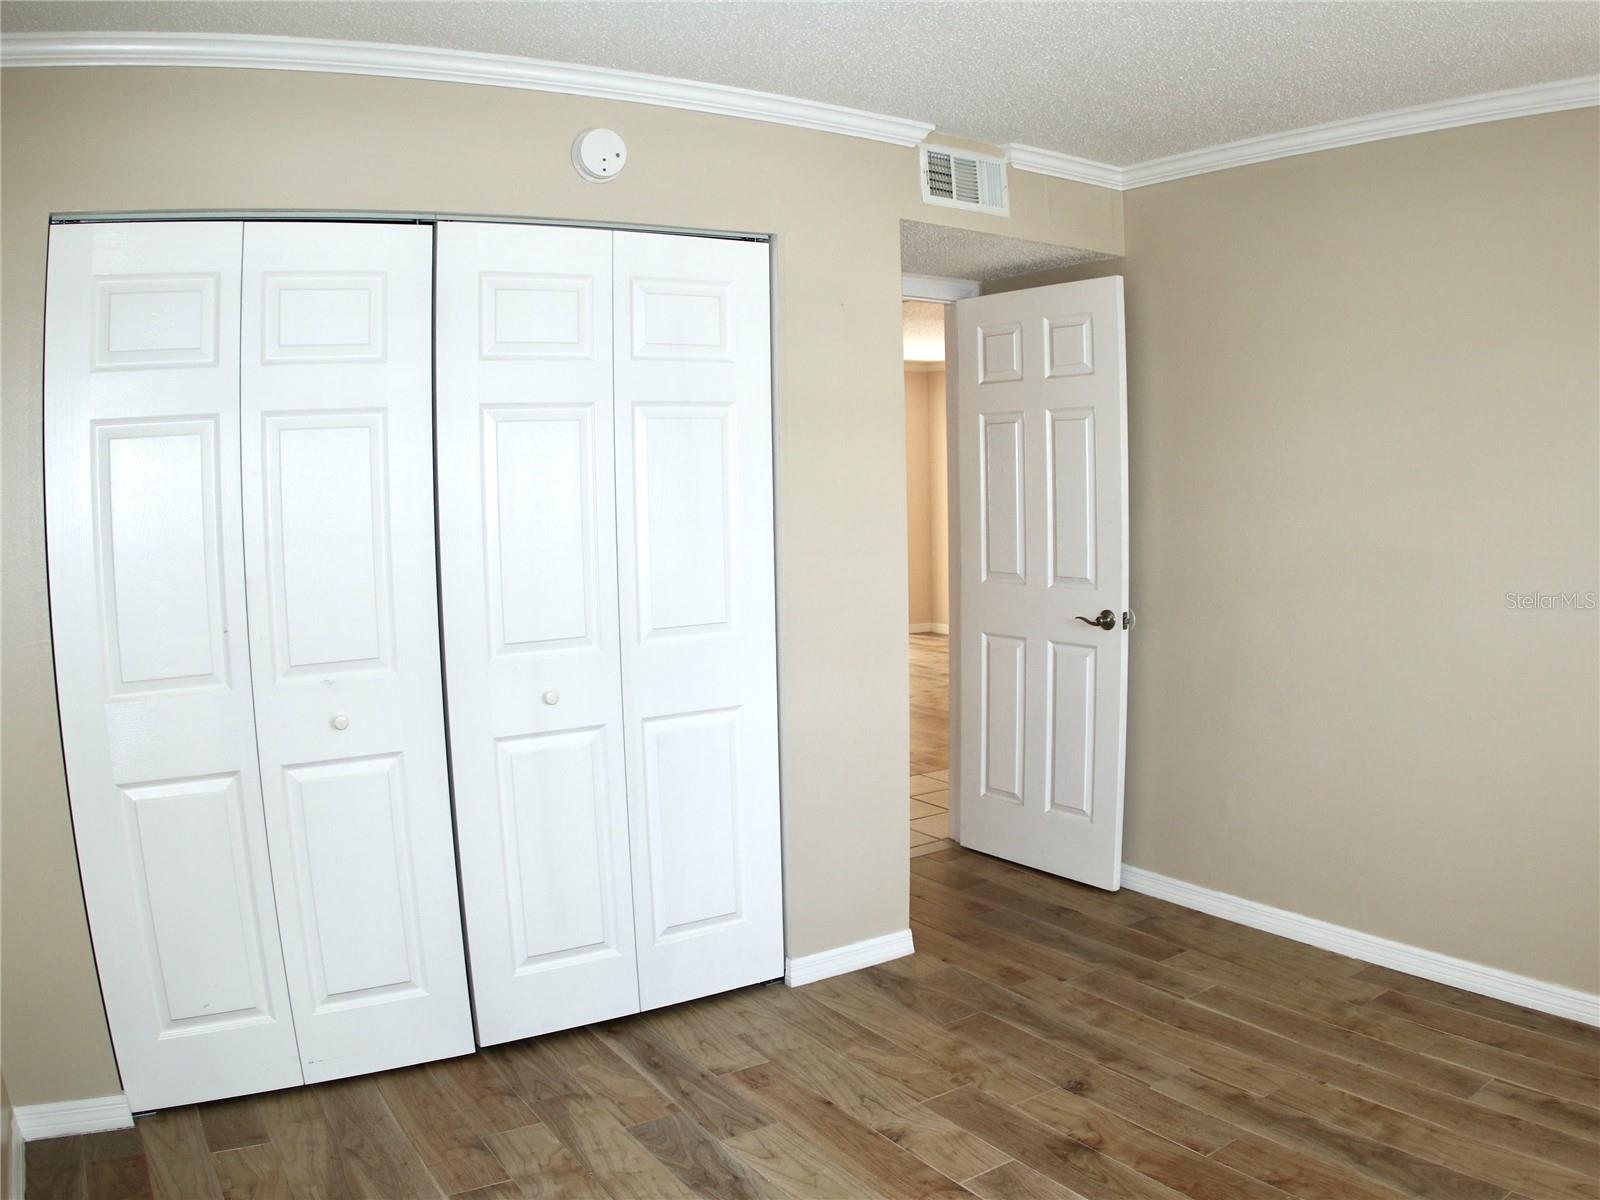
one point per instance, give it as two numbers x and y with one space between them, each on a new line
1364 406
149 139
927 498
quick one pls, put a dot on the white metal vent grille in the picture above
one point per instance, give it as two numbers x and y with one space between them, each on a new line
960 179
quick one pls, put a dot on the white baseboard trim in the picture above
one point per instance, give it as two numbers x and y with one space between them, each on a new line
808 968
17 1167
931 627
95 1115
1516 989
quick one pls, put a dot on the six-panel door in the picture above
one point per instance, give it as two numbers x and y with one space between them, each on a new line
1043 501
147 572
344 638
528 559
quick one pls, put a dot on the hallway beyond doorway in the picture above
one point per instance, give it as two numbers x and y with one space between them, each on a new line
930 743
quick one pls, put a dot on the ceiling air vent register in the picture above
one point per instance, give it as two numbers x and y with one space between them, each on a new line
962 179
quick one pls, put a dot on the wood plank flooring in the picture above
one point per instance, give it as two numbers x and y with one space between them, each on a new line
930 743
1046 1040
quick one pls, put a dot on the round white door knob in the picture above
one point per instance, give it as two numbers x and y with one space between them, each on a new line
552 697
340 722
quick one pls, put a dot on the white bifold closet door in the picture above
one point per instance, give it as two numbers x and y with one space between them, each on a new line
146 557
344 640
528 561
238 500
605 489
699 638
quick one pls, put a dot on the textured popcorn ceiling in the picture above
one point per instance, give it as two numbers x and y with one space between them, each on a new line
923 323
1115 82
962 254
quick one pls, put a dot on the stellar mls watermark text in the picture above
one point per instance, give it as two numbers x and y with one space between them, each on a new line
1581 601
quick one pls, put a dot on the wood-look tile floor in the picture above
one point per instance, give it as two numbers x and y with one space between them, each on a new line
930 743
1046 1041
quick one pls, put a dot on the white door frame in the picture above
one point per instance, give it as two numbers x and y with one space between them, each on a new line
937 289
952 461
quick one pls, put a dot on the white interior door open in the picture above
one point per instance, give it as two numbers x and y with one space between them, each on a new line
1041 464
152 663
341 591
699 656
528 553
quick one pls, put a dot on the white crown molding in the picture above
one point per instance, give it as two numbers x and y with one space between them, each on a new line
809 968
531 74
446 66
1398 956
1063 166
1400 122
938 288
37 1121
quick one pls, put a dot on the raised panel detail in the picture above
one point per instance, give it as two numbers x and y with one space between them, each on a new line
534 316
1001 531
692 806
327 522
158 541
999 353
1003 682
1070 479
539 524
1068 346
353 870
194 876
682 318
684 478
317 317
1070 723
155 321
556 820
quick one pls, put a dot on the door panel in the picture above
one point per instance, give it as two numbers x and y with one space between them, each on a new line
326 513
690 779
1041 448
553 808
353 865
1003 536
1005 675
158 523
196 891
339 536
1070 479
694 540
152 666
682 468
528 551
540 521
1070 720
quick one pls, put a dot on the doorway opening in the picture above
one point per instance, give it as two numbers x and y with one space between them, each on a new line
1017 552
928 574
